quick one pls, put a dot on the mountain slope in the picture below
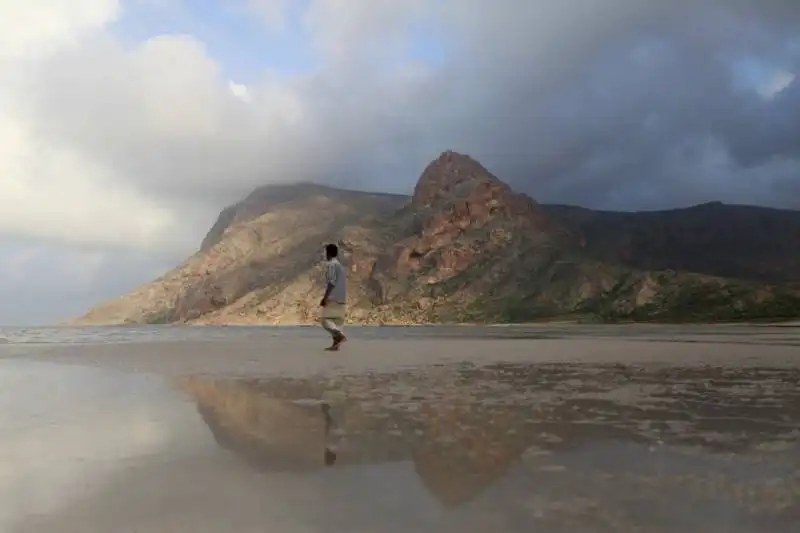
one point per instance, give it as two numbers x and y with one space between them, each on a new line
273 197
464 247
255 255
735 241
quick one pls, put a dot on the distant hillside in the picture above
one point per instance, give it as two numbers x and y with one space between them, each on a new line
737 241
466 247
272 197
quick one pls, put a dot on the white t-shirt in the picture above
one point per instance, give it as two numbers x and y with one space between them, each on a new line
335 275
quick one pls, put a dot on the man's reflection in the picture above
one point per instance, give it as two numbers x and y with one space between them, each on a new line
330 454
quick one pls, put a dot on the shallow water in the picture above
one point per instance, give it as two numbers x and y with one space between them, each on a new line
127 334
451 448
166 333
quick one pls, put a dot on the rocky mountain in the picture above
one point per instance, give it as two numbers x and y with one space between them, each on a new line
466 247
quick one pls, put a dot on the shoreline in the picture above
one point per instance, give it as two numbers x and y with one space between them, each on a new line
745 323
304 356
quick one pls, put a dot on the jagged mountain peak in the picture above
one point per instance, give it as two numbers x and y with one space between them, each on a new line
452 174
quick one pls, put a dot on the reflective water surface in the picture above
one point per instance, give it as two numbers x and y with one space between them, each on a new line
82 335
548 447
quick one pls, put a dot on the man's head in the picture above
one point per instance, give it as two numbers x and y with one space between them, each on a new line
331 251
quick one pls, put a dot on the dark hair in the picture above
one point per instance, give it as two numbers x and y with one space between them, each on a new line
331 250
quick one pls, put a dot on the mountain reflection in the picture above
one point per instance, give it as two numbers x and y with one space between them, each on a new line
465 428
458 450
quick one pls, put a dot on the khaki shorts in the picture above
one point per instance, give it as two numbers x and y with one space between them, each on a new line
333 316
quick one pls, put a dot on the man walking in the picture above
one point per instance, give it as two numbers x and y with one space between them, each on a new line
334 303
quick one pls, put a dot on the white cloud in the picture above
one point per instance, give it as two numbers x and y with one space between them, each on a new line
778 82
165 117
240 91
29 28
50 189
53 192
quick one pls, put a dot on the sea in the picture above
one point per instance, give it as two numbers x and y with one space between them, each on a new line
178 333
49 335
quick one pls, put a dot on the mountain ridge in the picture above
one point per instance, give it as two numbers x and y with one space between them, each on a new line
466 247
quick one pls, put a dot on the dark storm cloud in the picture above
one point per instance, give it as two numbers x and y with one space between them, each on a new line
616 104
639 110
607 103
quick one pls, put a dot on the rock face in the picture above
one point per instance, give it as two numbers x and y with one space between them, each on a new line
465 247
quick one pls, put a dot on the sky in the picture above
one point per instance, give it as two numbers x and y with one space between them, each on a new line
127 125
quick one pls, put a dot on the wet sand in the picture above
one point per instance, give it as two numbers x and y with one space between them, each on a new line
572 429
273 354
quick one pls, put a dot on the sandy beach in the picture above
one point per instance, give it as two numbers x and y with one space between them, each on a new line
552 428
